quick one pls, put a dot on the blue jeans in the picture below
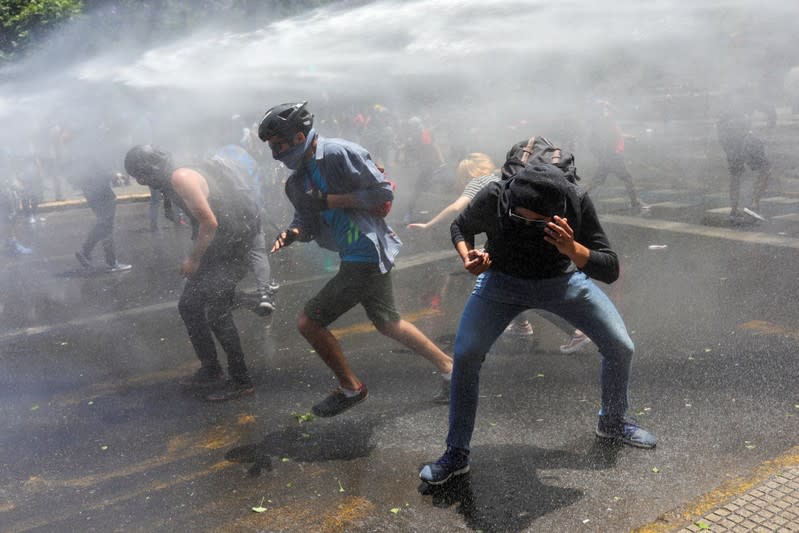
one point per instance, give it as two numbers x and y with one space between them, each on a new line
496 299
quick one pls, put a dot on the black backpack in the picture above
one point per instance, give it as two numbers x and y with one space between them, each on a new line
232 200
538 159
539 150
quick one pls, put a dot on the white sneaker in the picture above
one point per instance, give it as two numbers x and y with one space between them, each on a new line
523 329
754 214
578 340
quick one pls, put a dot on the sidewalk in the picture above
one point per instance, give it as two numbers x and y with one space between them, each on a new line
771 506
766 501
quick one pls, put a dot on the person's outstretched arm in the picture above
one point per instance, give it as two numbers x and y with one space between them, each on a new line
447 213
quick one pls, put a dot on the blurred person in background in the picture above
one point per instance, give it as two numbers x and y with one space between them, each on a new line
93 173
10 207
422 154
265 284
607 143
743 148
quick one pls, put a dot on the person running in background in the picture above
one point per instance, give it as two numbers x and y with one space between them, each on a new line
92 173
10 207
544 240
743 148
422 153
606 142
340 200
258 257
474 173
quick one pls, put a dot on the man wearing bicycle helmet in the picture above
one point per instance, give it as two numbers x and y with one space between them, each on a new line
338 193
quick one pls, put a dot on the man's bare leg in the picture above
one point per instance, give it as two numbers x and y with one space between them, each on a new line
329 349
409 336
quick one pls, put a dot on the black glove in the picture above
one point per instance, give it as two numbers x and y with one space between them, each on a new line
317 199
285 238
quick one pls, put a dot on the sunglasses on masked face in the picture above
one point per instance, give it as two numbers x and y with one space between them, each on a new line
531 221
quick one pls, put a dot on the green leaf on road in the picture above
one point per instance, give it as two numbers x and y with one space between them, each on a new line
395 510
702 525
656 470
307 417
260 508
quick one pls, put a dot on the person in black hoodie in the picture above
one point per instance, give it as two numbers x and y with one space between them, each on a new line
544 243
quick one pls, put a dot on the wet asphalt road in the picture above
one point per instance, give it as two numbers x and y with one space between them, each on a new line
97 436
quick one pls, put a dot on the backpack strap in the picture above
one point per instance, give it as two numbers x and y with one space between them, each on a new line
528 150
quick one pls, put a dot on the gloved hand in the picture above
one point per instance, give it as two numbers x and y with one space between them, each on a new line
317 199
284 239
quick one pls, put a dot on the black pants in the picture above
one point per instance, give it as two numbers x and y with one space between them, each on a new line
103 202
614 164
206 307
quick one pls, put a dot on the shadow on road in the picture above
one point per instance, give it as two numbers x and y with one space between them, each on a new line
503 491
347 440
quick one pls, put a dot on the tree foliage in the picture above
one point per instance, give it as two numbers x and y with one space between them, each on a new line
25 23
22 23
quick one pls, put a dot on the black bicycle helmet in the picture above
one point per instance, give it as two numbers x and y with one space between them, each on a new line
285 120
148 165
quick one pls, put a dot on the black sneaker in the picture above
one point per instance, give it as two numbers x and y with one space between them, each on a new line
231 391
203 378
337 401
454 462
625 430
442 396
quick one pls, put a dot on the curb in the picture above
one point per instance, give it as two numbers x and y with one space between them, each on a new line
81 202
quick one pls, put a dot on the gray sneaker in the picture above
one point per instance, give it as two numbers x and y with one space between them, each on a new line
337 402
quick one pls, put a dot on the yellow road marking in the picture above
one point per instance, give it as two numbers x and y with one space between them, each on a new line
181 447
113 501
727 491
304 516
366 327
769 328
